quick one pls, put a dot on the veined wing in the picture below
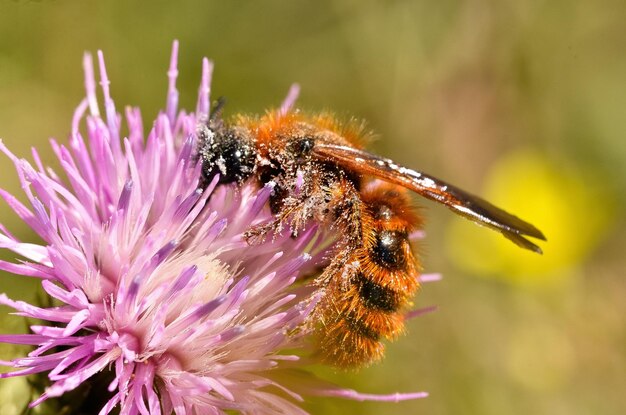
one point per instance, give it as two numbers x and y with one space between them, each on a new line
459 201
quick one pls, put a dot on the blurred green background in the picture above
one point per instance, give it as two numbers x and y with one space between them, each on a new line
523 102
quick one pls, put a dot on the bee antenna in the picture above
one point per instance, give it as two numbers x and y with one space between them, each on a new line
218 107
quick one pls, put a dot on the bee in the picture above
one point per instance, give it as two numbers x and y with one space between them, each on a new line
322 174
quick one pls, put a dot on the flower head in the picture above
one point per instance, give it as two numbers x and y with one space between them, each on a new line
152 282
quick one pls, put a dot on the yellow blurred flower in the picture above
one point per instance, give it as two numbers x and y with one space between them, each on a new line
571 209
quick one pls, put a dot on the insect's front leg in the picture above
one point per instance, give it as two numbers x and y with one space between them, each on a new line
296 200
344 212
258 234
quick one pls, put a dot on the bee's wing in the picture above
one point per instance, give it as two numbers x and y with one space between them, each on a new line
459 201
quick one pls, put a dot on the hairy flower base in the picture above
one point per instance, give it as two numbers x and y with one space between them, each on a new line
152 280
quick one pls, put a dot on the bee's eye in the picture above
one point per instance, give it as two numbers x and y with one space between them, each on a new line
303 146
307 144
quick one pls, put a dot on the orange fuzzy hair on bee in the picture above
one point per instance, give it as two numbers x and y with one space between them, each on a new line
369 283
274 124
320 174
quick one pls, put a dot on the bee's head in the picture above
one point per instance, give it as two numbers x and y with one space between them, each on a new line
229 152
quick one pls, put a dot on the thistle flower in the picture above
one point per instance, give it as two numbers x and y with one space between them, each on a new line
151 280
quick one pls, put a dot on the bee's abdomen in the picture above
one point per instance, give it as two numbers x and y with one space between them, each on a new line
375 296
366 301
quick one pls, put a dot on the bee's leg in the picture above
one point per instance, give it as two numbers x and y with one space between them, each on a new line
258 234
344 210
294 208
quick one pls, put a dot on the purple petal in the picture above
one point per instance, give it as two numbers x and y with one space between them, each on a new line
172 93
290 100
